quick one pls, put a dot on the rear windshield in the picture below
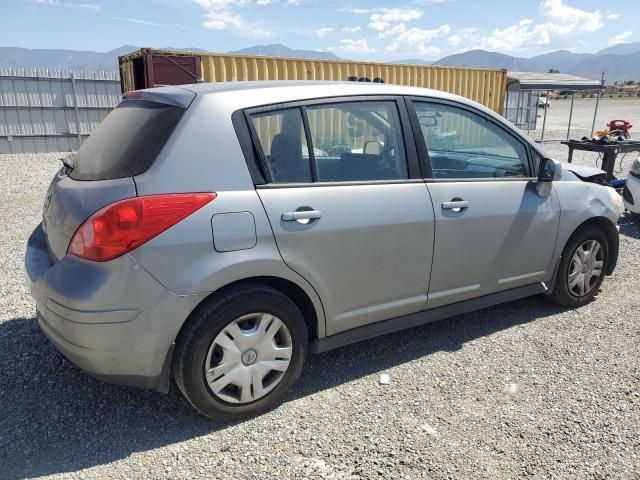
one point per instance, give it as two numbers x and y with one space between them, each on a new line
127 142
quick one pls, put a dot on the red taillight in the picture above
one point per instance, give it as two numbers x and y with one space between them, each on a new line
122 226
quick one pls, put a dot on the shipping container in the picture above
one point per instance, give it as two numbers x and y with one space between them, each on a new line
148 68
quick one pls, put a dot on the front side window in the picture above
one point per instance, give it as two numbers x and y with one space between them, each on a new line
284 146
463 144
357 141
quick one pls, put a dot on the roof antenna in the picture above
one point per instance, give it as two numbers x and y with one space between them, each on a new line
196 78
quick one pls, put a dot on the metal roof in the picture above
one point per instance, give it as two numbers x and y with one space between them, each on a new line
551 81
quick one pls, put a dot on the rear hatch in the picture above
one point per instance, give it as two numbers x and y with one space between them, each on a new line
125 144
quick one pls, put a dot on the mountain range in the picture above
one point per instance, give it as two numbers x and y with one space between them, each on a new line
619 62
278 50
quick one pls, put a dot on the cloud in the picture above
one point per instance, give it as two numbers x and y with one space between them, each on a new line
415 40
322 32
57 3
455 40
219 15
356 11
566 19
613 16
382 18
391 23
620 38
561 20
430 2
349 45
522 35
463 35
263 2
393 31
139 21
351 29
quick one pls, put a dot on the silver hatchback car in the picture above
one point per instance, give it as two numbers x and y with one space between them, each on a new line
219 232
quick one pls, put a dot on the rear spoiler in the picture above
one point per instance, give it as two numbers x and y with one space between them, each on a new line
176 96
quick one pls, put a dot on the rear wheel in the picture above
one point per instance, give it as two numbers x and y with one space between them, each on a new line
240 352
582 267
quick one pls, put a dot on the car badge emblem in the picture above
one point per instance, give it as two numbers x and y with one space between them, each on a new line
47 201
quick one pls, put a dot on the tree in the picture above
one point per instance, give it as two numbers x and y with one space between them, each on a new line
553 70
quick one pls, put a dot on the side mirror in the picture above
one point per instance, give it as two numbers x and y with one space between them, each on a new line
549 171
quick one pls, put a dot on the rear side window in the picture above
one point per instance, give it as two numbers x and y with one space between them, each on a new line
284 145
127 142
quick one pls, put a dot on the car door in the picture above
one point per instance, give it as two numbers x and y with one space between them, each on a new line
493 231
348 208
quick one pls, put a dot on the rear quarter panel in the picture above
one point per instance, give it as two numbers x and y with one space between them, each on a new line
204 155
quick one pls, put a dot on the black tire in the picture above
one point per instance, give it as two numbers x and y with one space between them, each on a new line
562 294
207 321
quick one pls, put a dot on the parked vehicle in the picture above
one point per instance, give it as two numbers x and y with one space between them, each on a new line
543 102
220 231
631 192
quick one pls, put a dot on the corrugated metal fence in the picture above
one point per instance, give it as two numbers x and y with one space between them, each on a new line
44 110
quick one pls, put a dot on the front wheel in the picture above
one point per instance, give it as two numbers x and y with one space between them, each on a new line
582 267
240 352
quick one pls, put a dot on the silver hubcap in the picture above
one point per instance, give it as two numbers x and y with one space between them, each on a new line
248 358
586 268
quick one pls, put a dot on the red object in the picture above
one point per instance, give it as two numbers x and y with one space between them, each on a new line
133 95
162 70
152 69
622 125
122 226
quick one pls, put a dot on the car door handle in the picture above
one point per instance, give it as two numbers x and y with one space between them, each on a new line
455 205
301 215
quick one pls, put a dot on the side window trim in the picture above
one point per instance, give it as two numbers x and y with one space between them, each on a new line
422 145
424 163
312 152
256 160
242 126
257 147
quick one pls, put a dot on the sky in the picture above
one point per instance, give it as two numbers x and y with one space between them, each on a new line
384 30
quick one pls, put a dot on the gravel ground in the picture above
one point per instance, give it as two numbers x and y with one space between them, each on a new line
525 389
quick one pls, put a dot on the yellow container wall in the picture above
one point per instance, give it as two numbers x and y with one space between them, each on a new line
485 86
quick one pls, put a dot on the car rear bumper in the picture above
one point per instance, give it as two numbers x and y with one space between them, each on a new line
111 319
632 194
99 363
